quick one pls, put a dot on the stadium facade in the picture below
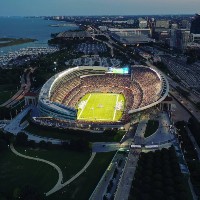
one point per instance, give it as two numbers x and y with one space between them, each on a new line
142 87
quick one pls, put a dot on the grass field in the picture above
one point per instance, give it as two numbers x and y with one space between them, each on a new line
6 94
84 185
16 172
101 107
151 128
70 162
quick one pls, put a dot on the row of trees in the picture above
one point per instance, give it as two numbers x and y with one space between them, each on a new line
75 145
4 141
190 153
186 144
194 127
27 192
158 176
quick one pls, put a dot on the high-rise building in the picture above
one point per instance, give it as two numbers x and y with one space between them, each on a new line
195 25
162 24
185 24
142 23
179 39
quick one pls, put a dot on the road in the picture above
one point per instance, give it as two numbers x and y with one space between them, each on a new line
25 87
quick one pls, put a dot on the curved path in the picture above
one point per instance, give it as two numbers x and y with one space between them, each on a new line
59 183
55 189
60 175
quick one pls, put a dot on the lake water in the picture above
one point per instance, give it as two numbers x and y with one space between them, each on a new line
34 28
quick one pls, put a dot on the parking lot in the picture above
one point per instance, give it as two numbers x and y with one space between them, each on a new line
91 48
94 61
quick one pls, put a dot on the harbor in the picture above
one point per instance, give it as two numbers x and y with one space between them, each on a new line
24 55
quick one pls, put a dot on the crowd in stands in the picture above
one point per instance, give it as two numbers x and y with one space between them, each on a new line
142 90
150 83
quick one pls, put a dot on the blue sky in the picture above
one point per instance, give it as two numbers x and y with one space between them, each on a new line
97 7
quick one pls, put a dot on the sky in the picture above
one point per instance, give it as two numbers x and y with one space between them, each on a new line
97 7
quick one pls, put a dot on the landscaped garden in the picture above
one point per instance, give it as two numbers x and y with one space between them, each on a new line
151 128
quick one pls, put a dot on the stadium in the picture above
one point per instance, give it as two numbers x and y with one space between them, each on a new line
94 96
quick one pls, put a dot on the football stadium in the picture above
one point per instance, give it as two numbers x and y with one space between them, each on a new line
94 96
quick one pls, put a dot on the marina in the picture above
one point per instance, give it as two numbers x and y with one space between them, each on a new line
20 57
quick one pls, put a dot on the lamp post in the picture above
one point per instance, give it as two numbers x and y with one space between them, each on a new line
55 63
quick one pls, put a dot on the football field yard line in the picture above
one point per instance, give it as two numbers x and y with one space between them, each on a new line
85 106
115 108
99 107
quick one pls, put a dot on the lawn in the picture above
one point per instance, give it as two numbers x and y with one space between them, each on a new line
84 185
101 107
151 128
16 172
5 95
70 162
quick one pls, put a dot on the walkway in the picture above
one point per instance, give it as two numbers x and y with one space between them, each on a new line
15 124
163 133
125 183
101 188
60 175
59 185
105 146
139 134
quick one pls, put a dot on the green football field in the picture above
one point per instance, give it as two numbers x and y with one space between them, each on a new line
101 107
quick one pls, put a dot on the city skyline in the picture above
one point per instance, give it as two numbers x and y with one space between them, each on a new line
97 7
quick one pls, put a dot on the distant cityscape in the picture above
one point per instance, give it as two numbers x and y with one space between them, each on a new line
100 107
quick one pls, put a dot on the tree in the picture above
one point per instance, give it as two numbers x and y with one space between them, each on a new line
42 144
32 144
169 190
21 139
3 145
29 192
158 194
16 193
198 105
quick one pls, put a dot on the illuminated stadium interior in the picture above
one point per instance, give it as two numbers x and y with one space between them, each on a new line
101 107
101 95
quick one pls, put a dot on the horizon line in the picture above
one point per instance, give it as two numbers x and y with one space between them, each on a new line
60 15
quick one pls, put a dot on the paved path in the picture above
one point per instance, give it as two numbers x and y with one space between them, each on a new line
60 175
59 185
125 183
162 134
80 172
15 124
139 134
105 146
101 187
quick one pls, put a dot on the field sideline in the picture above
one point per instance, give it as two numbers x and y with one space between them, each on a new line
101 107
